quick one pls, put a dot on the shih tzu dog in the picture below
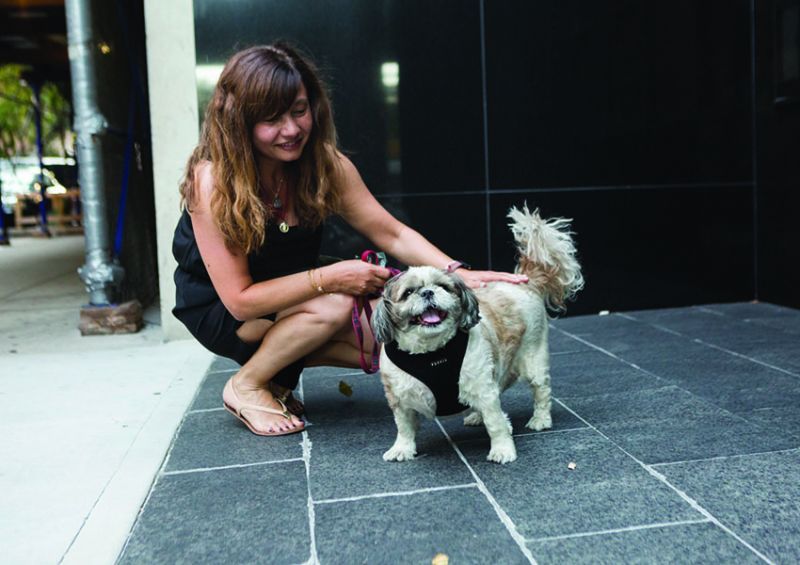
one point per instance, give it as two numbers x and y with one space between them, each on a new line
448 348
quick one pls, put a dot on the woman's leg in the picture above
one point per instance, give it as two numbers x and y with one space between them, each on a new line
343 349
296 333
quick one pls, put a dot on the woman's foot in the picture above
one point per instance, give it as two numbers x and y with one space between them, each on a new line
256 407
285 395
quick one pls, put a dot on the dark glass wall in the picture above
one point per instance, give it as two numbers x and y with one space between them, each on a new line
777 134
633 118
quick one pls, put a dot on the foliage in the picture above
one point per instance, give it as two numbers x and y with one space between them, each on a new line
17 126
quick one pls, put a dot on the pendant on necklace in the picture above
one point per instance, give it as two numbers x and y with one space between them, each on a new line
283 226
276 202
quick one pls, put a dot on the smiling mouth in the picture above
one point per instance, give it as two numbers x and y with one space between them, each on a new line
292 145
430 318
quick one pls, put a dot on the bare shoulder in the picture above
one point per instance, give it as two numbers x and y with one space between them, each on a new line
349 170
203 184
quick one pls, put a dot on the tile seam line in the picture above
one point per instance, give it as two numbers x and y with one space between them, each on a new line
204 410
224 467
666 382
685 497
526 434
313 557
395 494
505 519
618 530
724 457
711 345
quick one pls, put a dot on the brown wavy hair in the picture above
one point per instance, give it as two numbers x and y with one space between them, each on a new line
259 84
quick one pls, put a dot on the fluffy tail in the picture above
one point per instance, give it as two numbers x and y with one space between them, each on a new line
546 255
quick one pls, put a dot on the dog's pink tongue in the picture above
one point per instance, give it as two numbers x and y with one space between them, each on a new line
431 317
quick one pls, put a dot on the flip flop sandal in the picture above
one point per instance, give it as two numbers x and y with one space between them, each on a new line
286 397
237 412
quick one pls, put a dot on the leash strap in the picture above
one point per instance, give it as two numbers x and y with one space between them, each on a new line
362 302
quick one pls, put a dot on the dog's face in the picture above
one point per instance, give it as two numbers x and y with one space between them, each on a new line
423 308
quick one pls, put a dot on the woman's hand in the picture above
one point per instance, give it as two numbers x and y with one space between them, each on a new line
354 277
479 279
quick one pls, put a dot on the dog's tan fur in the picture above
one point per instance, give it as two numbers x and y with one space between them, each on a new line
507 340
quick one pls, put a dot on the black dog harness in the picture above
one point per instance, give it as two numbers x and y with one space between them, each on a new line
438 370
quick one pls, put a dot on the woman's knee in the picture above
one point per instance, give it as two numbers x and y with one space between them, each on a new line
332 310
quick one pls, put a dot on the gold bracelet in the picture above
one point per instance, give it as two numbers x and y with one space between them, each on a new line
316 287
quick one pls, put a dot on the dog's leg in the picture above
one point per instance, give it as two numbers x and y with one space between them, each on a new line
474 418
536 370
405 445
499 429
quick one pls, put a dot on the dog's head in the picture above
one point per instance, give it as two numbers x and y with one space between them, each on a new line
422 308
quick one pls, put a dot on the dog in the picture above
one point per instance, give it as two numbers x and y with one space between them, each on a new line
428 318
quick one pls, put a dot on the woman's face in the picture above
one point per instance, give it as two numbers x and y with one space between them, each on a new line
284 138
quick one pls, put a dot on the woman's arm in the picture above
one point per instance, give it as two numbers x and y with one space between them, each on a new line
362 211
230 273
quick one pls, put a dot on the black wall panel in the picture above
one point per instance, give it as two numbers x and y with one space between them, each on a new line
637 119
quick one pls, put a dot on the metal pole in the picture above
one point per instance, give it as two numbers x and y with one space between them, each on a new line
100 275
4 240
36 87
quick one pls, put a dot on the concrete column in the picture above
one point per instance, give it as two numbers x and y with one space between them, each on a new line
171 63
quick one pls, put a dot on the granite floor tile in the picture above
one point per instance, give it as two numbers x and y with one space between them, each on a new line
224 516
670 424
758 497
583 326
413 529
330 397
606 490
594 372
772 315
758 341
223 364
215 439
785 418
210 393
560 343
347 460
518 405
688 544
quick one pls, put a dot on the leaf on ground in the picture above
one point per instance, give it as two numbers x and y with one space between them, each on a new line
345 389
440 559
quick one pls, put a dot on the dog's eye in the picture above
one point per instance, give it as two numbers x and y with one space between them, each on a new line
408 292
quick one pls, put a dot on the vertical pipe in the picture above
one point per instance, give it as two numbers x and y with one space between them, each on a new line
4 240
99 274
36 87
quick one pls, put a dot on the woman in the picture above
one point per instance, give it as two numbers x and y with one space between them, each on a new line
264 176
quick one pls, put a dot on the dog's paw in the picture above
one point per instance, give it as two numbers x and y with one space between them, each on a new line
473 419
400 453
540 422
503 453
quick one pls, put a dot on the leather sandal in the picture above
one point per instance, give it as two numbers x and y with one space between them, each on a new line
238 413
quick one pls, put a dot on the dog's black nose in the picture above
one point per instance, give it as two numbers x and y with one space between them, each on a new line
426 294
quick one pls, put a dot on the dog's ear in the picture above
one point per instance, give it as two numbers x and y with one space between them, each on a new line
382 321
471 314
382 317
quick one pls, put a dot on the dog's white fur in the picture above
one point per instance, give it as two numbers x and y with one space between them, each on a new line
507 327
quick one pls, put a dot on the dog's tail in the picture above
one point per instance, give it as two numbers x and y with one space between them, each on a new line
546 255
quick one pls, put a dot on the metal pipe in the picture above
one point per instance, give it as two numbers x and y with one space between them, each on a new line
100 274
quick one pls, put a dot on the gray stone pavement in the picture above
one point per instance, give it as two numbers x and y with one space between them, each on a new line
683 425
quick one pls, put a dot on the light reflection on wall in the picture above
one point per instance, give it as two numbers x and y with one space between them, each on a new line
206 76
390 78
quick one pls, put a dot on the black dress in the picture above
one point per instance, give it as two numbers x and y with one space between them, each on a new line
199 307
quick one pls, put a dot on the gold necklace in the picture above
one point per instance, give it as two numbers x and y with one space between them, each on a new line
277 206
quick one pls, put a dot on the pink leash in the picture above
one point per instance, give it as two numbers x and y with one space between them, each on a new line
375 258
